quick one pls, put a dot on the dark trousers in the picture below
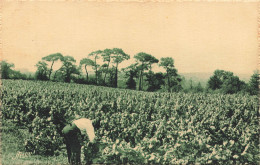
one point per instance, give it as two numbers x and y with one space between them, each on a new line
71 135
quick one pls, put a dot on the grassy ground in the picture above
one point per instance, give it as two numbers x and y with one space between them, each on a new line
13 148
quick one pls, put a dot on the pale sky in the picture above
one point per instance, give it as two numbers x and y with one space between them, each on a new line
200 37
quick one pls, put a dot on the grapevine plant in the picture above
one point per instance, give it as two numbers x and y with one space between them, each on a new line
137 127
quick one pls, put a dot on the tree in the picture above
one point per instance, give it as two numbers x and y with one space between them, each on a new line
173 79
131 72
8 73
86 62
191 84
219 77
111 80
42 71
118 56
226 82
145 62
68 68
214 82
232 85
155 81
102 69
106 58
254 84
96 55
17 75
52 58
199 88
6 69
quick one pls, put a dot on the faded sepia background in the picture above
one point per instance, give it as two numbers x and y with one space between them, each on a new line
201 36
187 117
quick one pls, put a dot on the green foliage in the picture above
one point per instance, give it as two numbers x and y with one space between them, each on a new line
52 58
226 82
189 86
68 68
155 81
117 56
138 127
45 141
8 73
86 62
146 58
130 83
120 57
254 84
6 70
17 75
139 74
145 62
232 85
96 54
131 72
167 62
42 71
112 58
214 82
199 88
173 79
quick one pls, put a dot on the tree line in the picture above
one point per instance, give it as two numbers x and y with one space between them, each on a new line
105 64
138 76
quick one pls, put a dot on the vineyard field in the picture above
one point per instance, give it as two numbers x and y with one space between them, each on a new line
134 126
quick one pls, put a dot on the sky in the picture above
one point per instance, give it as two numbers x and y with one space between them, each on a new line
199 36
